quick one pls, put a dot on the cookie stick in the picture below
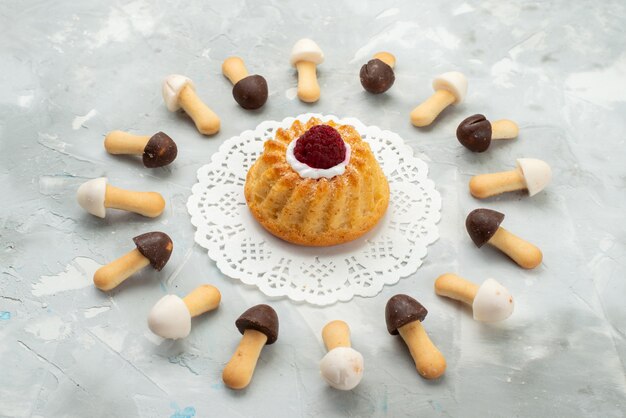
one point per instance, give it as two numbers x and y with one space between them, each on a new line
157 150
154 248
171 316
250 91
259 327
342 366
180 92
490 302
483 227
531 174
96 195
305 56
404 316
476 133
450 88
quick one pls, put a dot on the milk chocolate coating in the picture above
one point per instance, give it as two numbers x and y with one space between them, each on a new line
159 151
261 318
482 224
251 92
401 310
474 133
156 247
376 76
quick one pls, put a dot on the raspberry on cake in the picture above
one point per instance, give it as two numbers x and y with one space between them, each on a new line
317 184
320 147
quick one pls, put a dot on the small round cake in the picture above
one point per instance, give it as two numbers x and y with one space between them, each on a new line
317 184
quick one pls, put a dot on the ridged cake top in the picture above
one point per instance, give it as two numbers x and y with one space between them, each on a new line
316 211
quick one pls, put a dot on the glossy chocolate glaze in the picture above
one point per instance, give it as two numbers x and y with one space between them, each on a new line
401 310
156 247
262 318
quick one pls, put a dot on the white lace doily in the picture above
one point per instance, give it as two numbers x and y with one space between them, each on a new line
243 250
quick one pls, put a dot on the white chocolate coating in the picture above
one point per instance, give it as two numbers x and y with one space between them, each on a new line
91 194
306 171
172 86
537 174
342 368
454 82
493 302
306 50
170 318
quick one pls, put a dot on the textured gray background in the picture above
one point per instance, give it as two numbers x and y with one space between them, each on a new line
72 71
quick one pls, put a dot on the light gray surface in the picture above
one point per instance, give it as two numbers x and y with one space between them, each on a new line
72 71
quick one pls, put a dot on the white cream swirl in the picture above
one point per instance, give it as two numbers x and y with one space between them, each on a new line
306 171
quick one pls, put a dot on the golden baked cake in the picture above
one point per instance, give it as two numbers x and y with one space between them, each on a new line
317 184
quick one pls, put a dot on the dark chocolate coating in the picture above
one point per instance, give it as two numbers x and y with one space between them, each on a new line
156 247
376 76
159 151
482 224
251 92
401 310
474 133
261 318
